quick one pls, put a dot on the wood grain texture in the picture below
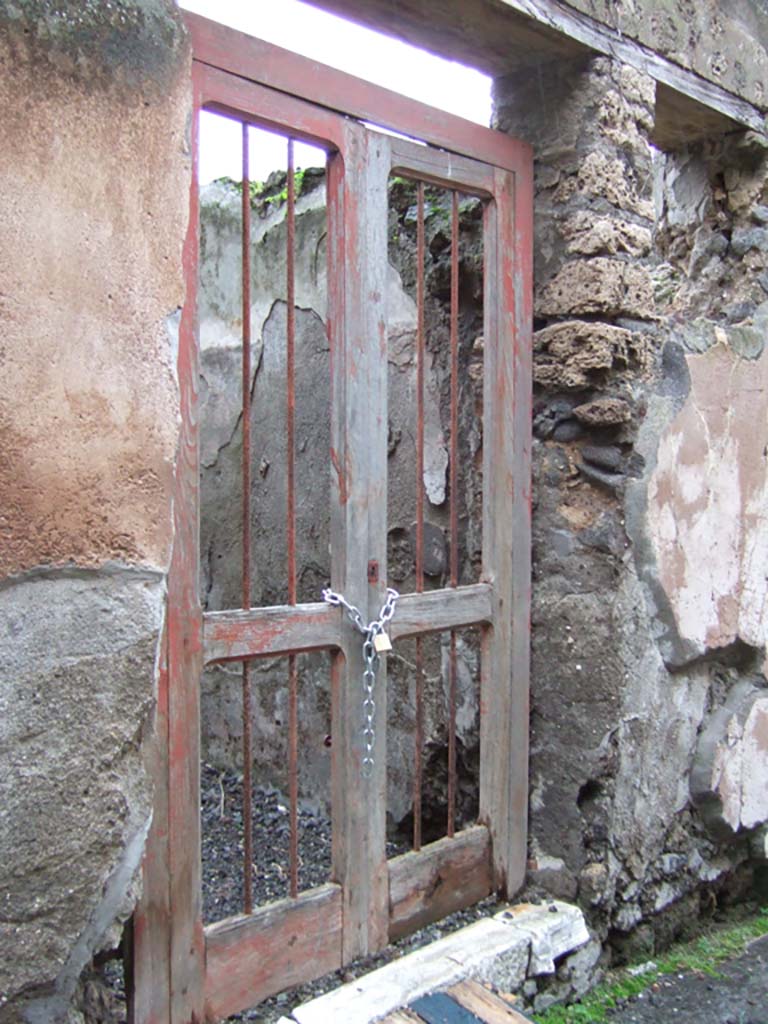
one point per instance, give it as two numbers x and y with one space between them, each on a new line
289 942
438 168
442 877
280 629
506 524
485 1004
357 214
286 72
444 609
185 659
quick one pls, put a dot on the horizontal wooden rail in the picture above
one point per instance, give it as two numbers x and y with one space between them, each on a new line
280 629
283 629
437 610
439 879
287 943
437 168
251 58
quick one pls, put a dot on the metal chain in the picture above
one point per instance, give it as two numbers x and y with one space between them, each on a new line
371 660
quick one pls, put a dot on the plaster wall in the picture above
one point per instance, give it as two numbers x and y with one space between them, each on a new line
94 172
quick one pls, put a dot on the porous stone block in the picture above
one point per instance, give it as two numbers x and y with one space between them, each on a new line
600 285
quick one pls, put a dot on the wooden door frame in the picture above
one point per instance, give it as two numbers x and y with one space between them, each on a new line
170 948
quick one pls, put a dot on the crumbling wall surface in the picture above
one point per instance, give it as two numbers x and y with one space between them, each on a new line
725 43
648 740
94 174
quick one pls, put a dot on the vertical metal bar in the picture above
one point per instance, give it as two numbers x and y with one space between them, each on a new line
454 503
290 366
420 355
246 497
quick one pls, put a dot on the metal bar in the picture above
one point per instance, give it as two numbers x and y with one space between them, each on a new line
454 504
246 501
418 769
286 72
293 676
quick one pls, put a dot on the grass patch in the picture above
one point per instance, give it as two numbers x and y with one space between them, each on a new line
701 956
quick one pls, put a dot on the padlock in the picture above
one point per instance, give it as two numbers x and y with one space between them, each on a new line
382 643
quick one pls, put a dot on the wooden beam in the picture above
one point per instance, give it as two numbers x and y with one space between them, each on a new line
280 629
289 942
610 42
440 878
286 72
509 36
438 610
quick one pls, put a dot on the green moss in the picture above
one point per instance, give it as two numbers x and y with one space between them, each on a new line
702 955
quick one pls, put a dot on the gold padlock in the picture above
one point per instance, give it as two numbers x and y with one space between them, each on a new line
382 643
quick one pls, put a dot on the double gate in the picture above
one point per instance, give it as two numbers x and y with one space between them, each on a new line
182 971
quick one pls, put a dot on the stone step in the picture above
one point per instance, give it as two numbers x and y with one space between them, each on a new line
501 951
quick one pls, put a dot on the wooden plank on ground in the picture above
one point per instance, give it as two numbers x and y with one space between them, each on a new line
445 876
486 1005
402 1017
251 957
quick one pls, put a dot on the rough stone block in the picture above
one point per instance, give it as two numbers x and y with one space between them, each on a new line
588 235
600 285
78 652
604 412
577 354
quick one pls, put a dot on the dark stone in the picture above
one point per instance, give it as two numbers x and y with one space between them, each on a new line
606 535
739 311
435 557
675 379
547 417
744 239
762 280
605 456
610 480
569 430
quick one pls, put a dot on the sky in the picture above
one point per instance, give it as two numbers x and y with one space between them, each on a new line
302 28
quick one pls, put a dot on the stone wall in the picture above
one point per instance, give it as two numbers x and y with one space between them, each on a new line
94 172
648 744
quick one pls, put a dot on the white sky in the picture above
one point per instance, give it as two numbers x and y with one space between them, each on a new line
304 29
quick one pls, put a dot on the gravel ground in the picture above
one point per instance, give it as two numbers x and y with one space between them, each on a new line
222 845
738 995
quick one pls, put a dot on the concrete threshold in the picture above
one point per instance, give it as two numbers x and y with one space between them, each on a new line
514 944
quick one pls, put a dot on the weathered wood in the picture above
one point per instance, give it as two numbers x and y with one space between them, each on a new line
440 169
444 609
273 110
357 215
281 70
485 1004
250 958
276 630
442 877
613 43
184 623
515 35
506 524
402 1017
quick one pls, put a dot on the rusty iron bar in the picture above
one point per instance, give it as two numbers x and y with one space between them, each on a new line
454 502
290 367
246 474
418 769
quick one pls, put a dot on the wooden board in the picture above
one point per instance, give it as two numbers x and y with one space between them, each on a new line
442 877
250 58
281 945
402 1017
485 1004
447 608
357 254
270 631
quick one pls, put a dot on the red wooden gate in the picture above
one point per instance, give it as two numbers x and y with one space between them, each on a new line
182 971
